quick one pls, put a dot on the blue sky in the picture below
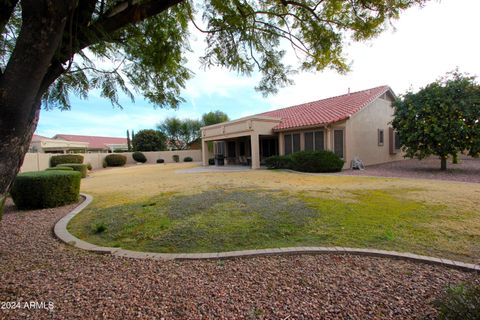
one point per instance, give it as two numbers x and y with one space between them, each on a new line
422 45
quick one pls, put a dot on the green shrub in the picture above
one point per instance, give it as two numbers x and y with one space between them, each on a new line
59 168
160 161
176 158
115 160
45 189
89 166
278 162
460 302
316 161
139 157
65 158
187 159
104 163
211 161
82 168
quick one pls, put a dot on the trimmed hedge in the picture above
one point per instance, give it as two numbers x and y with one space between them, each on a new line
160 161
59 169
187 159
65 158
82 168
139 157
176 158
278 162
45 189
115 160
316 161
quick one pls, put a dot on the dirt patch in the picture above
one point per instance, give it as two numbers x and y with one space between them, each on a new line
468 170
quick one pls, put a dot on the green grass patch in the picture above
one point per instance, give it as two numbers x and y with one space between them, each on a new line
224 220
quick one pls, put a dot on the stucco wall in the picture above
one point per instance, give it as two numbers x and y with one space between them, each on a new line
41 161
362 134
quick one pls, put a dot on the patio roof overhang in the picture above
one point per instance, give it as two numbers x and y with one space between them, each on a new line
261 125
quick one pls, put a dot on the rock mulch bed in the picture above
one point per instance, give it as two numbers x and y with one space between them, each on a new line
468 170
37 267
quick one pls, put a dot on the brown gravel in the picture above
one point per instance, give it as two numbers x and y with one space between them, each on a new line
468 170
37 267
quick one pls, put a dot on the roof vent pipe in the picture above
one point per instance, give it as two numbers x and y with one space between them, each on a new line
348 90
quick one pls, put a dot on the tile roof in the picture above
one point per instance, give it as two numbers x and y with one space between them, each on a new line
94 142
325 111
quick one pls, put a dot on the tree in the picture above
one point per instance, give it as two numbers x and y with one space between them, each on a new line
129 144
441 119
149 140
180 133
50 49
214 117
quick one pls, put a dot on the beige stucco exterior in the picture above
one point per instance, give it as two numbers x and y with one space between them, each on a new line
360 134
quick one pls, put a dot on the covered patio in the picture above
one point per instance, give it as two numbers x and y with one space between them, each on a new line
247 141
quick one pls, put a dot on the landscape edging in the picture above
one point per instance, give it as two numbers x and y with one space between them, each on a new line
61 232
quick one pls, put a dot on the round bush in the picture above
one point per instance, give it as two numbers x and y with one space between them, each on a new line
65 158
89 166
104 163
160 161
45 189
187 159
115 160
59 168
316 161
139 157
82 168
211 161
278 162
176 158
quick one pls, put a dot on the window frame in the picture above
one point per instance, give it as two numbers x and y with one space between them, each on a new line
380 137
343 142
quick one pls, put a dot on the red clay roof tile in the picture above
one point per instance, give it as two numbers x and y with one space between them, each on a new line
325 111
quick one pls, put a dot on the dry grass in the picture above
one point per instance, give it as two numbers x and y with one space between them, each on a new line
449 224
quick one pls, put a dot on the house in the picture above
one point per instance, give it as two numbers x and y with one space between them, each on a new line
96 143
43 144
353 125
67 143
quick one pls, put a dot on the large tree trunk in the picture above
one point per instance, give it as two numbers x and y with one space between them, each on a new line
443 163
27 75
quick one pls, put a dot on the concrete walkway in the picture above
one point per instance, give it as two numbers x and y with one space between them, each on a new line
62 233
208 169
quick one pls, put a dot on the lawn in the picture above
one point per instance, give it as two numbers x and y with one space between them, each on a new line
152 208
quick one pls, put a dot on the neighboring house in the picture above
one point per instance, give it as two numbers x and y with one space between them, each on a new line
68 143
354 125
42 144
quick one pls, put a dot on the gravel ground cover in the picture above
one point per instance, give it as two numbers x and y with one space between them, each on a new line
37 267
468 170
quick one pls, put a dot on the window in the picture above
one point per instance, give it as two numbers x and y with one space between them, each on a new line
296 142
288 144
292 143
308 141
314 141
219 147
397 141
338 142
242 148
319 141
381 138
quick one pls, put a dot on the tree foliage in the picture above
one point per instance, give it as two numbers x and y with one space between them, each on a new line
441 119
180 133
214 117
139 46
149 140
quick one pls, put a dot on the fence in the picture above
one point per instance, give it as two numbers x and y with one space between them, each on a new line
41 161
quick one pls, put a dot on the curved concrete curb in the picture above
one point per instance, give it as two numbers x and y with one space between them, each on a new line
62 233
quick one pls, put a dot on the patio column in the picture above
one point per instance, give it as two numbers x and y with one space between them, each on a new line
255 145
328 138
281 144
204 153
